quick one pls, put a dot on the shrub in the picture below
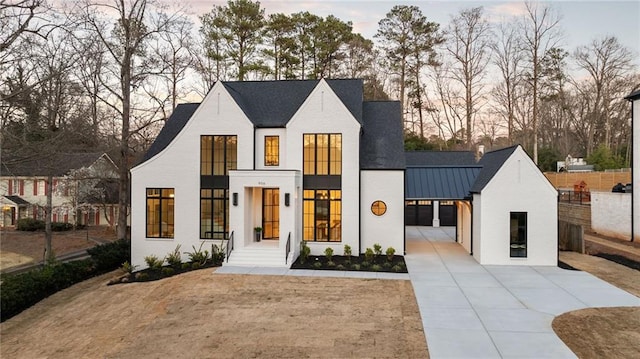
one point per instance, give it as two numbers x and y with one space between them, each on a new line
110 256
376 268
198 256
127 267
368 255
387 264
61 226
328 252
217 254
377 249
196 265
167 271
317 265
347 252
186 265
365 264
30 225
340 267
153 262
355 266
396 268
331 264
174 259
305 251
390 252
142 276
23 290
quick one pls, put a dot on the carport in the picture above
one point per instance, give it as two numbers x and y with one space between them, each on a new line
439 195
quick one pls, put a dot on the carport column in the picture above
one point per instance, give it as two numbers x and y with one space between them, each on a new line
436 213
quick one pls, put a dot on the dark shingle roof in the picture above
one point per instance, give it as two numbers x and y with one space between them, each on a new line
633 96
17 200
439 182
172 127
491 162
273 103
56 164
381 144
440 158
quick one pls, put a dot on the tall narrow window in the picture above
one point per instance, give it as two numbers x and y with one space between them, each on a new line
214 213
218 155
322 154
160 212
271 150
518 236
322 215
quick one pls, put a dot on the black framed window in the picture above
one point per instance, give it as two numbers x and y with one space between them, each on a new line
322 215
322 154
218 155
160 212
214 213
518 234
271 150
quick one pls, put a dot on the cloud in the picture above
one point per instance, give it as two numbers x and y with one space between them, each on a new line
506 10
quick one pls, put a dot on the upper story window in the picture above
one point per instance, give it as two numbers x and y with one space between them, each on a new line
322 154
218 155
271 150
160 212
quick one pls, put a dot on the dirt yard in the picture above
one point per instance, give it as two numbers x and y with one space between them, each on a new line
602 332
18 247
201 314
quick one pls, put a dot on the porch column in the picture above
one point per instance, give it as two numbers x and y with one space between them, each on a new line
436 213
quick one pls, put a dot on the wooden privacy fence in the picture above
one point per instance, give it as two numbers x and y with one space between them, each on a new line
596 181
570 237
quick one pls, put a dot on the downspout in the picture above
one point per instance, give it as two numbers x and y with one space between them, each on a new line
254 147
633 183
471 232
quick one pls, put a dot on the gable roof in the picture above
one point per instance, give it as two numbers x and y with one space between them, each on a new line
633 96
17 200
56 164
382 141
440 158
440 182
172 127
273 103
491 162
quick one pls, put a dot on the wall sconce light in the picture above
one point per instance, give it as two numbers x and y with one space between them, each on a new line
235 198
287 197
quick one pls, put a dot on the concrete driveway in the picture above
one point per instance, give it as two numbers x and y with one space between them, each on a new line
474 311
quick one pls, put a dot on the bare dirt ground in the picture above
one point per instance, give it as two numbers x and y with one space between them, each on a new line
201 314
602 332
18 247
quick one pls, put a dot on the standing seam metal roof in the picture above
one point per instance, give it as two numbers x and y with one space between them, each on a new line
440 182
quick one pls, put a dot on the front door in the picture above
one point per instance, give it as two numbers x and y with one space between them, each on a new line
271 213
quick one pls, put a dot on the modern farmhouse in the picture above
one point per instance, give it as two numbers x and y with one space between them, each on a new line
302 160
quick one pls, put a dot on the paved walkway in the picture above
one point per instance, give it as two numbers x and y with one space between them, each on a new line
474 311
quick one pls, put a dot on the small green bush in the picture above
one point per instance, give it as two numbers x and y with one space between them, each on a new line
377 249
340 267
328 253
396 268
174 259
196 265
142 276
305 251
376 268
331 264
186 265
386 264
153 262
365 264
317 265
355 266
30 225
390 253
347 252
368 254
167 271
198 255
217 254
127 267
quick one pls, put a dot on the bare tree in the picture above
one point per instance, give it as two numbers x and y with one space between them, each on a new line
468 44
608 63
540 32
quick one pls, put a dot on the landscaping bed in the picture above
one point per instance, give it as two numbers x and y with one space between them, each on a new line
352 263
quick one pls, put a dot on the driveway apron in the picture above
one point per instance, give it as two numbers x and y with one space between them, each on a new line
474 311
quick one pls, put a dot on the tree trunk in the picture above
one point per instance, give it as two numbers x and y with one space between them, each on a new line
123 182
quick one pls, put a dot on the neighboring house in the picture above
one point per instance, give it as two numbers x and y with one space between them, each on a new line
83 189
635 171
303 160
505 208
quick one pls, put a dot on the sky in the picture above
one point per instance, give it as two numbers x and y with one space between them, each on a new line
581 21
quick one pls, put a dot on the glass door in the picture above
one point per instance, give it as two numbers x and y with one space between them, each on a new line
270 213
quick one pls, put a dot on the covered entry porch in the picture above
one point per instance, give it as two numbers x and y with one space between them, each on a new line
270 201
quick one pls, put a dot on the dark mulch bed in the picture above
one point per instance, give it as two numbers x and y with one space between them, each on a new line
148 275
379 264
620 260
564 265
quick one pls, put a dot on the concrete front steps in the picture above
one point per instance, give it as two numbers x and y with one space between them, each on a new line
257 257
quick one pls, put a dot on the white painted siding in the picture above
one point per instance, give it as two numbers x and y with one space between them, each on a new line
611 214
388 229
178 167
636 169
464 224
478 226
517 187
